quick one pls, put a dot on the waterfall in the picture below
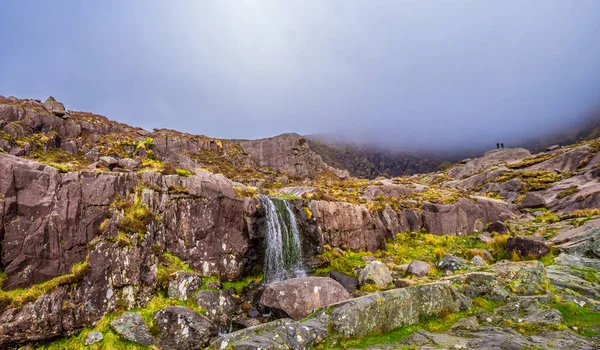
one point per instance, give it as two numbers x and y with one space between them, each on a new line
283 256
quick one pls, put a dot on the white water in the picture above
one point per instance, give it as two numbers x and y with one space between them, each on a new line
283 256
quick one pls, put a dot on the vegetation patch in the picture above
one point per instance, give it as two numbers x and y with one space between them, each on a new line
531 161
581 319
567 192
537 180
183 172
136 216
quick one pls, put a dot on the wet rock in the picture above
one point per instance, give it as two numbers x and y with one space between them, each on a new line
348 282
418 268
297 297
375 272
498 227
183 285
452 263
220 307
182 328
93 338
527 246
532 200
131 326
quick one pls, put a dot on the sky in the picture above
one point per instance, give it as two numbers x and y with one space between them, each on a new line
397 73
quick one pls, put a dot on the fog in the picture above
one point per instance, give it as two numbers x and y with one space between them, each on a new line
400 74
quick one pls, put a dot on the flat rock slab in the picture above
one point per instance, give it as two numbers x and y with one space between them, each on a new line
131 326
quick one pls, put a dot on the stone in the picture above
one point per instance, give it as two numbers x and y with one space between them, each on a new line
452 263
498 227
375 272
532 200
220 307
494 157
108 162
182 328
348 282
485 237
55 107
527 246
214 284
403 283
93 338
469 323
524 277
296 298
418 268
183 285
553 148
478 261
131 326
129 164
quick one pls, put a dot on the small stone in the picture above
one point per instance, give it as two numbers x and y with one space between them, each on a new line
213 284
183 285
375 272
418 268
403 283
477 261
452 263
489 319
485 237
253 313
498 227
93 337
131 326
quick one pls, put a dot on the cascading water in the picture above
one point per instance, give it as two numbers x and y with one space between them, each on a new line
283 256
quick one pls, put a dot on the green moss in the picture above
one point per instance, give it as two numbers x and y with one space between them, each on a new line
136 216
587 321
536 180
240 285
170 264
249 192
369 288
183 172
568 192
531 161
20 296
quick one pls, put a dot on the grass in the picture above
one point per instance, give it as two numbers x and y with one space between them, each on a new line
240 285
170 264
183 172
136 216
585 320
531 161
536 180
20 296
567 192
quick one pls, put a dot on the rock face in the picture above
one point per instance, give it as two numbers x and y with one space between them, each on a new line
288 153
532 200
182 328
582 241
527 246
131 326
375 272
297 297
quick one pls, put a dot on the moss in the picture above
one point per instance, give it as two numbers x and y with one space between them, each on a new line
585 320
568 192
248 191
531 161
20 296
241 285
178 190
536 180
369 288
136 216
183 172
170 264
309 213
121 239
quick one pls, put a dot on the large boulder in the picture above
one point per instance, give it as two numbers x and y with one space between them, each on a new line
494 157
375 272
131 326
220 307
55 107
298 297
532 200
182 328
418 268
582 241
533 246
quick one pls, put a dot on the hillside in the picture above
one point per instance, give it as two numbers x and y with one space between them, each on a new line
112 236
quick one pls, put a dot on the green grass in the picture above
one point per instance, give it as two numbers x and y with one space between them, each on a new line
183 172
587 321
170 264
242 284
567 192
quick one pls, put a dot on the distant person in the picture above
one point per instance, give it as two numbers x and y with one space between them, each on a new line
502 145
497 145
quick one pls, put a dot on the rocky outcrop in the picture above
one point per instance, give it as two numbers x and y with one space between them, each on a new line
182 328
582 241
296 298
568 161
287 153
220 307
493 157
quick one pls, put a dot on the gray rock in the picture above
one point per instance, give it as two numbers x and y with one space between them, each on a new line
418 268
452 263
55 107
498 227
469 323
296 298
375 272
183 285
553 147
220 307
348 282
404 282
108 162
532 200
493 157
182 328
93 337
131 326
478 261
485 237
129 164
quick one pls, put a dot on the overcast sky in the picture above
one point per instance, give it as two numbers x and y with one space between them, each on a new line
402 73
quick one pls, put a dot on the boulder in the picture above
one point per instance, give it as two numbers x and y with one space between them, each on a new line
93 338
298 297
498 227
131 326
108 162
532 200
220 307
129 164
494 157
582 241
182 328
477 261
452 263
183 285
524 277
485 237
527 246
375 272
348 282
55 107
418 268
